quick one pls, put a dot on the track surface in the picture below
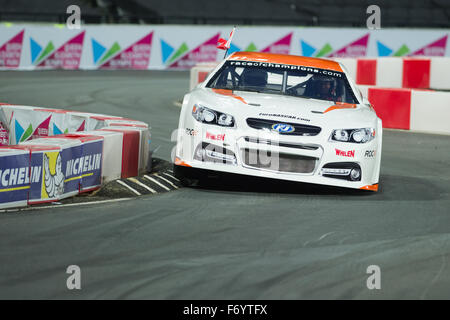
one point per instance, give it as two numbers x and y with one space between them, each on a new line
253 241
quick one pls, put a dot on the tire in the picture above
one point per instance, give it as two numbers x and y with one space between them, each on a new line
183 174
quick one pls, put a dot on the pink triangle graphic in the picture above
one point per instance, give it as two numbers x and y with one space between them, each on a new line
282 46
357 48
82 126
206 52
68 56
42 129
436 48
136 56
10 51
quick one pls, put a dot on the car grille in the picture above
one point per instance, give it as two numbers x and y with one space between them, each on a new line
278 161
300 129
281 144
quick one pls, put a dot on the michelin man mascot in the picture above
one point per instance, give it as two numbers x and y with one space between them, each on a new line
54 184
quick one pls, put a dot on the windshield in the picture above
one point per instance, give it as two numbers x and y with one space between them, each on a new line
296 81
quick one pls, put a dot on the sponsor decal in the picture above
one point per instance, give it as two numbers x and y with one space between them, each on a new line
17 176
285 66
283 128
83 166
277 115
11 51
67 56
214 136
350 153
136 56
370 153
191 132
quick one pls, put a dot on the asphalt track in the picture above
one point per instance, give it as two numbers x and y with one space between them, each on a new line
238 240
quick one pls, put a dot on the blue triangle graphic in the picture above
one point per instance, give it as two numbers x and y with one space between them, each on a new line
35 49
97 50
19 131
56 130
383 51
307 49
233 48
166 50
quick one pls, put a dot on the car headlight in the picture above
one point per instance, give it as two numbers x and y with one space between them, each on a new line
209 116
362 135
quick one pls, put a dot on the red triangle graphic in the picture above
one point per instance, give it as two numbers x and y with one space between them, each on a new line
82 126
42 129
68 56
357 48
206 52
282 46
11 51
136 56
436 48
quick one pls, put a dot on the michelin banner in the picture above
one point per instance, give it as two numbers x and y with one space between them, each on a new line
38 46
39 174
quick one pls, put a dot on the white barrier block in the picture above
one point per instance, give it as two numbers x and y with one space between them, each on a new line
440 73
112 153
144 148
389 72
430 111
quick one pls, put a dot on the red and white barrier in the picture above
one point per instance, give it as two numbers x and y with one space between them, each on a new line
56 156
200 72
396 72
409 109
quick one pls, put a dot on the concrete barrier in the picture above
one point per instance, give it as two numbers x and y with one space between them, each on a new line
55 154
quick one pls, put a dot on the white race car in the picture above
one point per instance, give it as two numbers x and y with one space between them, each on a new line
280 116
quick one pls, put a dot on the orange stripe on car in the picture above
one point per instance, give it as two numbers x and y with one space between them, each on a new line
373 187
287 59
230 93
341 105
180 162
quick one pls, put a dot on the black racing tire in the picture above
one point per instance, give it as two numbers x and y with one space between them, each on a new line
184 174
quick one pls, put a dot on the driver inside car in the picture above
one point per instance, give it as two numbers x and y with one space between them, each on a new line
254 78
324 89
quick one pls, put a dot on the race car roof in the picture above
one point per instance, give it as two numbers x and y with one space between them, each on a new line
286 59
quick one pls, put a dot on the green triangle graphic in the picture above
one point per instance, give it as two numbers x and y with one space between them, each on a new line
326 49
251 47
49 48
402 51
113 50
27 133
182 49
66 131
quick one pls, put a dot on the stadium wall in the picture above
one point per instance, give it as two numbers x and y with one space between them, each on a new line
40 46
